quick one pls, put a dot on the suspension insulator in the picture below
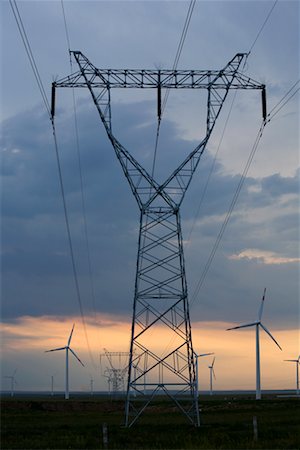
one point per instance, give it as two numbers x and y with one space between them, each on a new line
159 97
53 100
264 102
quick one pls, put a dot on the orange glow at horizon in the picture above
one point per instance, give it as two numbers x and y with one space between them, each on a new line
234 350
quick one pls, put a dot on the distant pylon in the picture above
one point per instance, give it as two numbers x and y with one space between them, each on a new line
160 294
117 370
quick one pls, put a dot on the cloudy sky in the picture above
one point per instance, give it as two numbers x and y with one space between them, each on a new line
260 247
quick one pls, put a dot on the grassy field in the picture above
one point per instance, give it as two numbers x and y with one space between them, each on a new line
45 423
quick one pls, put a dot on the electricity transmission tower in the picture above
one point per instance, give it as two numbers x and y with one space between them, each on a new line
160 306
117 370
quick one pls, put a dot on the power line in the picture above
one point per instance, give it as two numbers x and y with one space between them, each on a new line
176 60
275 110
263 26
180 46
229 212
66 30
226 220
83 203
28 50
239 187
211 169
35 70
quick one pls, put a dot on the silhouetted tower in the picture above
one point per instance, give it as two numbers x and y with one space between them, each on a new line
160 294
116 371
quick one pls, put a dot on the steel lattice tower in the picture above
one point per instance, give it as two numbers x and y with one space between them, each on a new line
160 293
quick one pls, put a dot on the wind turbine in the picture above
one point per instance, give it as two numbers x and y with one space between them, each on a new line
52 385
211 374
258 324
297 361
67 348
197 369
92 386
12 382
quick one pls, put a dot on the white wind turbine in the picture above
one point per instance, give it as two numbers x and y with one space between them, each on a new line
197 369
67 348
12 382
211 374
258 324
297 361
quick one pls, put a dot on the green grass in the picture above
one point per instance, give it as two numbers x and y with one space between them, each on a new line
77 424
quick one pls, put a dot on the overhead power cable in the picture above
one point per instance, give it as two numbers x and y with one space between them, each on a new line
83 202
228 215
270 116
28 50
284 100
180 46
263 26
175 64
35 70
209 261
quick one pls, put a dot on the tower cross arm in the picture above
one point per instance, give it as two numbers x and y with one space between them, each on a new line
163 78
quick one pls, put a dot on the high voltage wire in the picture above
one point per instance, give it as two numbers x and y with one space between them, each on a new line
275 110
263 26
28 50
219 237
35 70
180 46
83 203
228 215
270 116
176 60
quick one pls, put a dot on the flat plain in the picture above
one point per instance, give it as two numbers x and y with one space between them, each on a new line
44 422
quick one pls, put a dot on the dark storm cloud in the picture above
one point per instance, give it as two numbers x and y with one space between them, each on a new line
37 274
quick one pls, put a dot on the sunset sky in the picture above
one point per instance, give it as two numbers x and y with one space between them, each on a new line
260 247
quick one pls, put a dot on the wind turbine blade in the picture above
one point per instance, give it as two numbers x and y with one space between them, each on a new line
76 356
243 326
213 363
268 332
213 373
262 305
69 341
15 371
293 360
205 354
55 349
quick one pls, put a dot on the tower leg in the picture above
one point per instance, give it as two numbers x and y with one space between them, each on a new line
160 311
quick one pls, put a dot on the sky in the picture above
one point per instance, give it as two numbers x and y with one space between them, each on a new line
260 247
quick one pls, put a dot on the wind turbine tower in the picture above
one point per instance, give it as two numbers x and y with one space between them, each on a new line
67 348
297 362
160 293
211 375
197 368
13 382
258 324
52 385
92 386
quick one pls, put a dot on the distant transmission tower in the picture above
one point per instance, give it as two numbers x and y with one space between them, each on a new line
160 295
117 370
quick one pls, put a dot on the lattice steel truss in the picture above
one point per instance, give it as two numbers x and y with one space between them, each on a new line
117 370
160 294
